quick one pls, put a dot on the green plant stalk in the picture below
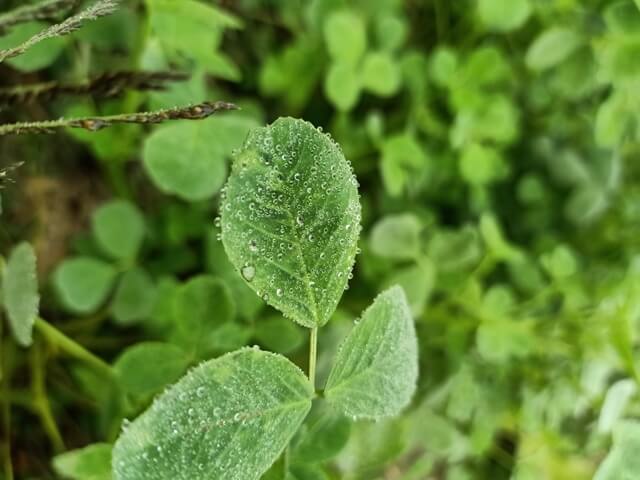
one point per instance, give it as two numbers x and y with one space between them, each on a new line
41 401
313 355
5 405
57 338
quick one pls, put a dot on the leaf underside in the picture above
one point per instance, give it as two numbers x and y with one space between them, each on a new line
376 369
228 418
291 219
20 292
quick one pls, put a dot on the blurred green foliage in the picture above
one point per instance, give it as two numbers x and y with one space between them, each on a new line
495 144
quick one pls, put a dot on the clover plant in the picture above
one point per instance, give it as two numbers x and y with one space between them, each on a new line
290 218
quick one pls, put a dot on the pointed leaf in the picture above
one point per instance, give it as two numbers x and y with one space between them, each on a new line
376 369
228 418
89 463
291 219
623 462
20 292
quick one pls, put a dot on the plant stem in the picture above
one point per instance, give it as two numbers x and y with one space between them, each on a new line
94 124
5 406
313 354
72 348
41 401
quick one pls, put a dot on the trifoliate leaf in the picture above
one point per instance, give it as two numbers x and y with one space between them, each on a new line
188 158
147 367
291 219
83 283
346 37
376 369
380 74
118 228
89 463
228 418
623 462
20 292
552 47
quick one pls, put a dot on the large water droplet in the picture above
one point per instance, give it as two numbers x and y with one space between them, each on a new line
279 292
248 272
253 246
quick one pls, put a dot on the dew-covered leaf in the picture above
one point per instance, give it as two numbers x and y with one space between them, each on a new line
376 369
83 283
228 418
623 462
291 219
145 368
118 228
89 463
20 292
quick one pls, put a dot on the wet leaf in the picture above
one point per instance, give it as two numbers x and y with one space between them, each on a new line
228 418
291 219
376 369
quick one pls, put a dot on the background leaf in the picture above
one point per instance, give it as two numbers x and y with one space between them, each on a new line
89 463
20 292
376 369
228 418
291 219
118 227
83 283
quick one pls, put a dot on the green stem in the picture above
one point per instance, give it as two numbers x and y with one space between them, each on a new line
41 401
5 445
69 346
313 354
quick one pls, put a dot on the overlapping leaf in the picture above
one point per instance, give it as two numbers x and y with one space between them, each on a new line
228 418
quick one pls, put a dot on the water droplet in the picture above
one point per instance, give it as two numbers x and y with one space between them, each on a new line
217 222
310 237
279 292
299 220
253 246
200 391
248 272
265 297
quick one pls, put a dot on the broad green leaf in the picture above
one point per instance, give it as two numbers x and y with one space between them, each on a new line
134 297
188 159
228 418
615 403
622 17
83 283
342 86
247 302
39 56
118 227
20 292
499 340
380 74
346 37
201 306
147 367
291 219
481 165
560 262
279 335
391 32
321 437
89 463
503 15
552 47
402 158
418 281
623 462
443 66
397 236
376 369
306 472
